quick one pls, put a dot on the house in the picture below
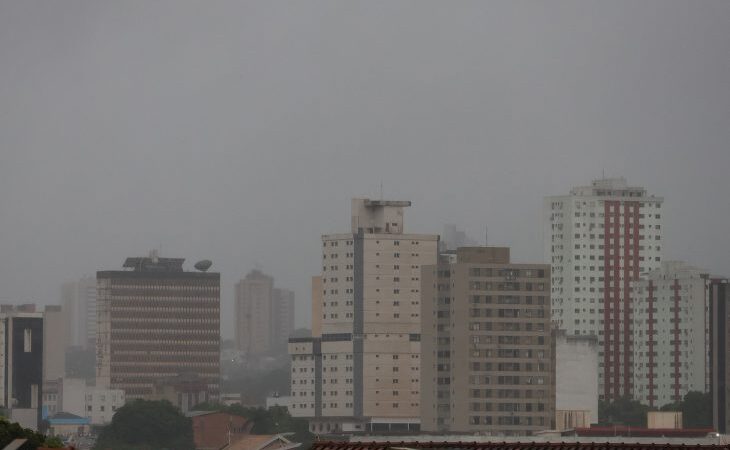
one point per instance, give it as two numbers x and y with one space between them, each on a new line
212 430
262 442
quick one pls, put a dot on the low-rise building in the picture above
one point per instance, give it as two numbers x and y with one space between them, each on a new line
576 380
212 430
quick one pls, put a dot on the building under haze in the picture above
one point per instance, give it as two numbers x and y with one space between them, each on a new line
79 306
55 340
720 353
487 356
264 315
21 356
670 334
598 239
157 321
363 372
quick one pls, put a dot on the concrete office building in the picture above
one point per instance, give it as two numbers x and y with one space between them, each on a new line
264 315
488 360
79 307
56 332
576 380
670 334
156 321
21 356
720 353
317 293
599 239
363 372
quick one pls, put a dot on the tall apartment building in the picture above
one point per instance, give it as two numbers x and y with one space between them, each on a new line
56 332
670 334
156 320
487 356
599 239
79 306
720 353
363 372
21 358
282 319
264 315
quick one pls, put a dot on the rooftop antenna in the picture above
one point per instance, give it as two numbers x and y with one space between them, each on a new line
381 190
486 235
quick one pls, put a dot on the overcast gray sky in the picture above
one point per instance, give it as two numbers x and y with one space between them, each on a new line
238 131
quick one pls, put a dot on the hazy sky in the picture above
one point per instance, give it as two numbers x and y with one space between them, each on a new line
238 131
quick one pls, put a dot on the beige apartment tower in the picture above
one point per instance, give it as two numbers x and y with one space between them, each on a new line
487 356
264 315
156 321
363 373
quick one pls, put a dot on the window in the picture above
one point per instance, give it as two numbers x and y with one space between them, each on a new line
27 338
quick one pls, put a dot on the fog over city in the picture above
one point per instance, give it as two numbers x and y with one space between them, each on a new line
239 131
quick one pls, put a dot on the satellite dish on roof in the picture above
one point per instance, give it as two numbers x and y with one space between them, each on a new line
203 265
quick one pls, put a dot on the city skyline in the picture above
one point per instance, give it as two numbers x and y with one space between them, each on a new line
243 132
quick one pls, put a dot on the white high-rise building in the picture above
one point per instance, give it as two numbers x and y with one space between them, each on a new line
79 306
363 372
598 239
670 334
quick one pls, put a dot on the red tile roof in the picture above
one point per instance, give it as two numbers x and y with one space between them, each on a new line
333 445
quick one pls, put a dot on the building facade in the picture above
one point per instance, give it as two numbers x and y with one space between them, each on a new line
576 380
720 353
56 332
21 345
264 315
487 355
363 372
599 239
156 320
670 334
79 306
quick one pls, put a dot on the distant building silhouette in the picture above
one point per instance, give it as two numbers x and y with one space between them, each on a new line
264 315
79 306
157 321
720 353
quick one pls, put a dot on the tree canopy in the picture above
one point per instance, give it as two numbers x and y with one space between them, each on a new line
147 425
622 411
696 408
10 431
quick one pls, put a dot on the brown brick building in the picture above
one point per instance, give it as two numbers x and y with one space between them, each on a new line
157 321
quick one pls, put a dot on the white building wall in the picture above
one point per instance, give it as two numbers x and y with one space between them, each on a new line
302 401
102 404
576 374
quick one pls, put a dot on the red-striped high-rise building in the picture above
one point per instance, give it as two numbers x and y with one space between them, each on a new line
599 239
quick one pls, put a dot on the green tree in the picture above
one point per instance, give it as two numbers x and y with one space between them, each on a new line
10 431
696 410
622 411
147 425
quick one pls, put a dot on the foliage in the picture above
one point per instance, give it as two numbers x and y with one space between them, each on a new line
255 385
10 431
268 421
696 409
147 425
622 411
